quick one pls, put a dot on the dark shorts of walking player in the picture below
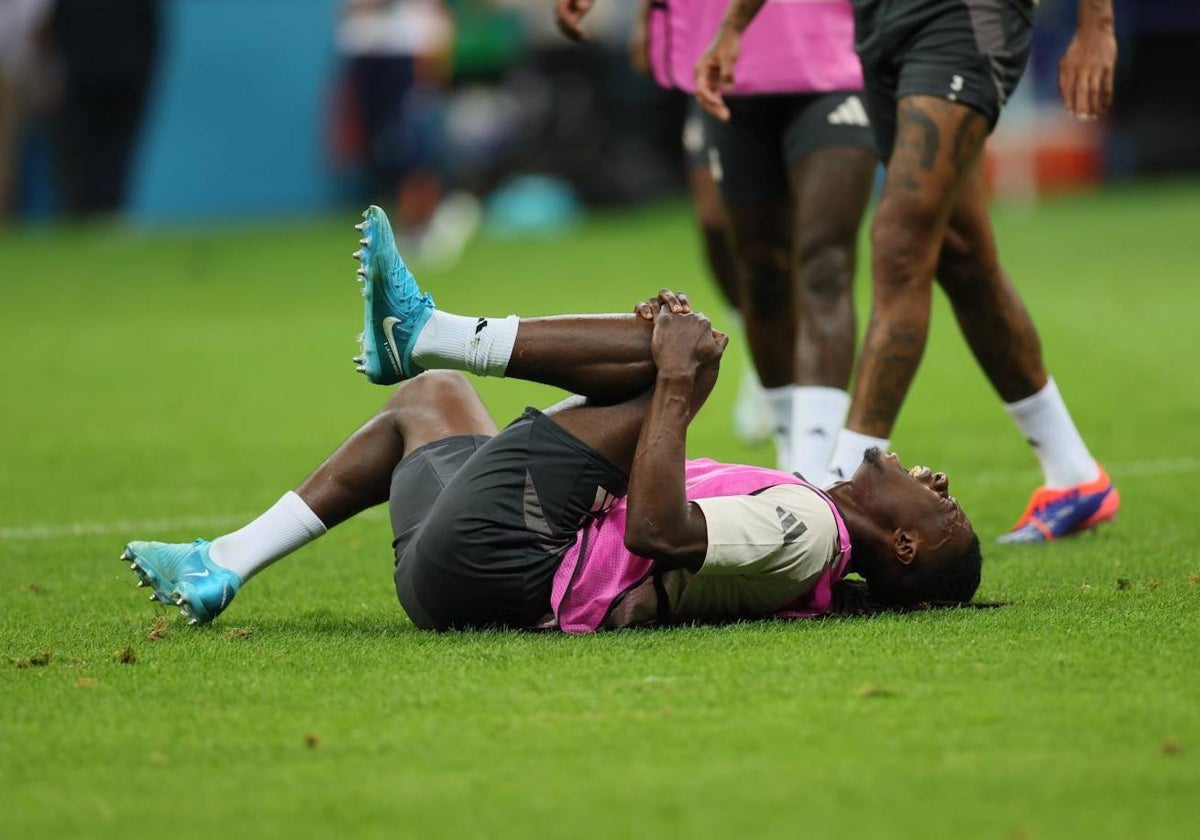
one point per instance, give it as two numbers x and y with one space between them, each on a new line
768 134
968 51
482 523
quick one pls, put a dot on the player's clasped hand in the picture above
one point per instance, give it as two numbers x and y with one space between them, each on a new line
684 342
676 302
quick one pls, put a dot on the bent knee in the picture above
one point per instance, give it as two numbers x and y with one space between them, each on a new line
432 386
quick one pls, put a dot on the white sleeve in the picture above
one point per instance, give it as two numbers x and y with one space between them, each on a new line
784 530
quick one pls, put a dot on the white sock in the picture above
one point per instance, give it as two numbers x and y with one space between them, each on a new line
779 403
287 525
817 415
481 346
1047 425
848 454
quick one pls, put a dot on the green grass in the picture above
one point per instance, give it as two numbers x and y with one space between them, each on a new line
189 377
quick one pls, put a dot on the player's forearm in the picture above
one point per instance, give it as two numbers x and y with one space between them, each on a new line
1095 14
661 523
740 13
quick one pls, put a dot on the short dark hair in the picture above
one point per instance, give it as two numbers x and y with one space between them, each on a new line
955 579
950 583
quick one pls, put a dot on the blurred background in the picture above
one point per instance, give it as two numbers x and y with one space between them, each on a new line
458 116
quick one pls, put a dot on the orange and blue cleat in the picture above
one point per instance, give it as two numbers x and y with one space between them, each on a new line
1057 512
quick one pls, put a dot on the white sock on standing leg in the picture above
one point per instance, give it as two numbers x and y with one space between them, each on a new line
848 454
286 526
817 415
481 346
1044 420
779 403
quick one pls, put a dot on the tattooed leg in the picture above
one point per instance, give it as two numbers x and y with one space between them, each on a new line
936 142
990 313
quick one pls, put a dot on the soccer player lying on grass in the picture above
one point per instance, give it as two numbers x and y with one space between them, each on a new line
587 515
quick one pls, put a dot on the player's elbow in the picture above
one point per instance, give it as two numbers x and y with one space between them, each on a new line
671 548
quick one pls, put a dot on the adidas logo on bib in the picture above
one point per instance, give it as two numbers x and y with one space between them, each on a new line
850 112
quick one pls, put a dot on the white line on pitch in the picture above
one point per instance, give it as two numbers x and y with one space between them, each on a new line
130 528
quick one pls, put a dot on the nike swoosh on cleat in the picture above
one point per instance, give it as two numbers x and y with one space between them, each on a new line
393 351
196 574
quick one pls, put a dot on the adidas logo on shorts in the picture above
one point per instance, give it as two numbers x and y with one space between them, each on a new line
850 112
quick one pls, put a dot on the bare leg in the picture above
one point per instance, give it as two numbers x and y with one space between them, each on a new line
434 405
990 313
714 233
605 358
830 189
613 430
936 142
762 242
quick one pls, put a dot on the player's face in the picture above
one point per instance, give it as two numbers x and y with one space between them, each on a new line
916 500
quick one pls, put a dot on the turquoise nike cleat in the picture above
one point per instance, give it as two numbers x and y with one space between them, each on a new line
184 575
394 308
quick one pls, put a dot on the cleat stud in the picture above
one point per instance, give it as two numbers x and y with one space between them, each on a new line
141 584
357 254
125 555
362 272
358 360
361 369
364 241
153 597
183 613
133 567
193 621
360 225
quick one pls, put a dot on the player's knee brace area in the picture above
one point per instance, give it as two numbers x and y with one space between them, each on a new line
826 275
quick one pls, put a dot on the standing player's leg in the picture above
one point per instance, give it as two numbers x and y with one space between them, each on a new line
749 160
936 141
707 208
1076 493
796 177
751 416
831 166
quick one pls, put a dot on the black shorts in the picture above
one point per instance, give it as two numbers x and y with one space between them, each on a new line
767 134
695 144
481 524
968 51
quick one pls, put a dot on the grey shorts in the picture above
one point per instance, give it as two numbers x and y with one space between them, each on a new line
968 51
767 134
481 524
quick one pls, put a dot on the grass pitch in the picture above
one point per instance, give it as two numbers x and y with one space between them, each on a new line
170 384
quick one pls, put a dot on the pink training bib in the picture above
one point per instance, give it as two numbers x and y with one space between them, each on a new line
792 46
598 570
